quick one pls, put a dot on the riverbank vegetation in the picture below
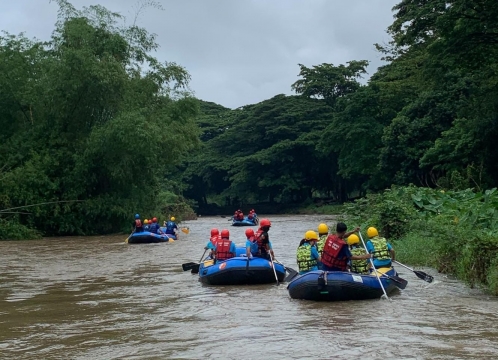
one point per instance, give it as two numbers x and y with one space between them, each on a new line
452 231
91 127
427 117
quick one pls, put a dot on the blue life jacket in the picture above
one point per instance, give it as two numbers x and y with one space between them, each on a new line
170 227
153 228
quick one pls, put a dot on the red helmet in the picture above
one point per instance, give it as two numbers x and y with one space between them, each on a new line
249 233
214 232
264 222
225 234
154 220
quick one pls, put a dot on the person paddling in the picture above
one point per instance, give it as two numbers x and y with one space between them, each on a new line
154 227
336 254
358 266
251 244
323 233
171 227
213 240
137 224
382 252
307 254
225 248
265 248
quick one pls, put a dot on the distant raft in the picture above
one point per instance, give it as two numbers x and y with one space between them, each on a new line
240 271
246 222
147 237
340 286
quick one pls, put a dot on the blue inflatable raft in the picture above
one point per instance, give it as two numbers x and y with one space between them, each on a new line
147 237
340 286
240 271
246 222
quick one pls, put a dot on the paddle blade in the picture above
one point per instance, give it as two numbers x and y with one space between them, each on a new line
292 274
188 266
195 269
399 282
185 230
126 241
422 275
171 240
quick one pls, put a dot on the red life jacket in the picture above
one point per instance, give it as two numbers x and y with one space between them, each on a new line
138 223
331 250
259 240
223 249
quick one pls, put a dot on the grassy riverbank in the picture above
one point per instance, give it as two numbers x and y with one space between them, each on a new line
453 231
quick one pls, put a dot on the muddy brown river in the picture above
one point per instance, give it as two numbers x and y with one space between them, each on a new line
99 298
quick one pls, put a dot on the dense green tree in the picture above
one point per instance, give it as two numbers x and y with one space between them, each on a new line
93 123
330 82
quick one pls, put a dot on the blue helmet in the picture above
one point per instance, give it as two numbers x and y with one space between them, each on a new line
137 216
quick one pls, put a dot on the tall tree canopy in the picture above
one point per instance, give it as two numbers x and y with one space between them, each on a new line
90 118
428 117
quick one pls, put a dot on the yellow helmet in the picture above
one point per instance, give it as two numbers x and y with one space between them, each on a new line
172 218
353 239
146 221
310 235
323 229
372 232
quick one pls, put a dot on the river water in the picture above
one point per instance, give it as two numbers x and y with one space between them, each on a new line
99 298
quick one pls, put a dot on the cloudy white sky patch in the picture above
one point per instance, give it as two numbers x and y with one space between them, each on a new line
238 51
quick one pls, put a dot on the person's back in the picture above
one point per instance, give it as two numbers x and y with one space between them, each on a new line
307 255
146 225
382 251
154 226
225 248
252 248
263 239
358 266
323 233
335 251
213 240
171 226
137 224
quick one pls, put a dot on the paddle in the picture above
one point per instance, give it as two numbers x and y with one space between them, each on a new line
185 230
274 271
193 265
372 263
420 274
401 283
126 241
292 273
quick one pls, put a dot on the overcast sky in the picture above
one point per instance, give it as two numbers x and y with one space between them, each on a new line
238 52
